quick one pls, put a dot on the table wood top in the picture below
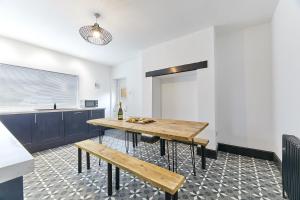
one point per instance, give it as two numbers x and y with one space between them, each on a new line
165 128
158 176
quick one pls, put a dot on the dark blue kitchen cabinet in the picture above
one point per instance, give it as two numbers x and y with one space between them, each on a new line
48 130
95 114
76 128
45 130
20 125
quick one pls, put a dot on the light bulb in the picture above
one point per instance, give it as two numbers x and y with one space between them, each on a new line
96 34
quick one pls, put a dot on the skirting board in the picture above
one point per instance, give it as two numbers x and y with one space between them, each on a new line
209 153
255 153
244 151
277 161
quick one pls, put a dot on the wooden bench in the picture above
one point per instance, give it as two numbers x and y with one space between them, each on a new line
157 176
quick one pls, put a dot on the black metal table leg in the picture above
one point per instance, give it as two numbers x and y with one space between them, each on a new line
101 130
88 165
136 139
162 147
173 156
109 179
168 155
79 160
117 178
193 157
127 141
133 140
203 157
100 139
176 157
100 134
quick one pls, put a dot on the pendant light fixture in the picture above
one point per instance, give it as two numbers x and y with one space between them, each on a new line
95 34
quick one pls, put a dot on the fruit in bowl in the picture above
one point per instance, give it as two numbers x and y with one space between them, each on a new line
139 120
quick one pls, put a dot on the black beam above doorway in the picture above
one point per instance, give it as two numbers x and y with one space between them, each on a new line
177 69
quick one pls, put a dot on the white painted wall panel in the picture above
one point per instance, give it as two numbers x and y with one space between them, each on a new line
286 70
244 82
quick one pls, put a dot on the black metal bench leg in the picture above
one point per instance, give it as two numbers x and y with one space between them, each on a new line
162 147
171 197
79 160
203 157
109 179
175 196
117 178
88 165
168 196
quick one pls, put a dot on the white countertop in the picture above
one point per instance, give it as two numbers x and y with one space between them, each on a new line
15 160
27 111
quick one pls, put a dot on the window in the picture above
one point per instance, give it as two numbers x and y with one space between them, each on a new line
22 87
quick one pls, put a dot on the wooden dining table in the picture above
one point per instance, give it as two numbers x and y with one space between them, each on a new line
168 130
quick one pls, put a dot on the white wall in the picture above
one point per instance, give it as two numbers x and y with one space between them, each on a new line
195 47
179 96
22 54
243 87
157 98
243 76
132 72
286 70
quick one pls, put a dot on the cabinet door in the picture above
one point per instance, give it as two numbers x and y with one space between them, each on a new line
20 126
48 130
76 128
95 114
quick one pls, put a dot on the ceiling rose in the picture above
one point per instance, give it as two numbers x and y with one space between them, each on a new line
95 34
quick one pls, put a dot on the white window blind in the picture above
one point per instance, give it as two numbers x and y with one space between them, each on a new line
26 87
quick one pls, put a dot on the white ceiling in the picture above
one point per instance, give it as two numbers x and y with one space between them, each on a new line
134 24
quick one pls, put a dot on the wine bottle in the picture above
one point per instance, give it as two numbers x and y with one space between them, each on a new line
120 112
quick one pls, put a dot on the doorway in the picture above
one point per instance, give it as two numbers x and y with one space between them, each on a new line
119 95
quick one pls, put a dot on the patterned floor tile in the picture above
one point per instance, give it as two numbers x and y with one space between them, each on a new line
231 177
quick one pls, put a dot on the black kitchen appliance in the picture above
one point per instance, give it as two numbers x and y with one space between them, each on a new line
90 103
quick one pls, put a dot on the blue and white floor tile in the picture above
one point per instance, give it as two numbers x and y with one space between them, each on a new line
230 177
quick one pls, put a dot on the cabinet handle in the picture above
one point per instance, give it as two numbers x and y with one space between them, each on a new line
77 113
62 116
35 118
91 113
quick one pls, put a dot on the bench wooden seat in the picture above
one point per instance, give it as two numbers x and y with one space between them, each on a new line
157 176
201 142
